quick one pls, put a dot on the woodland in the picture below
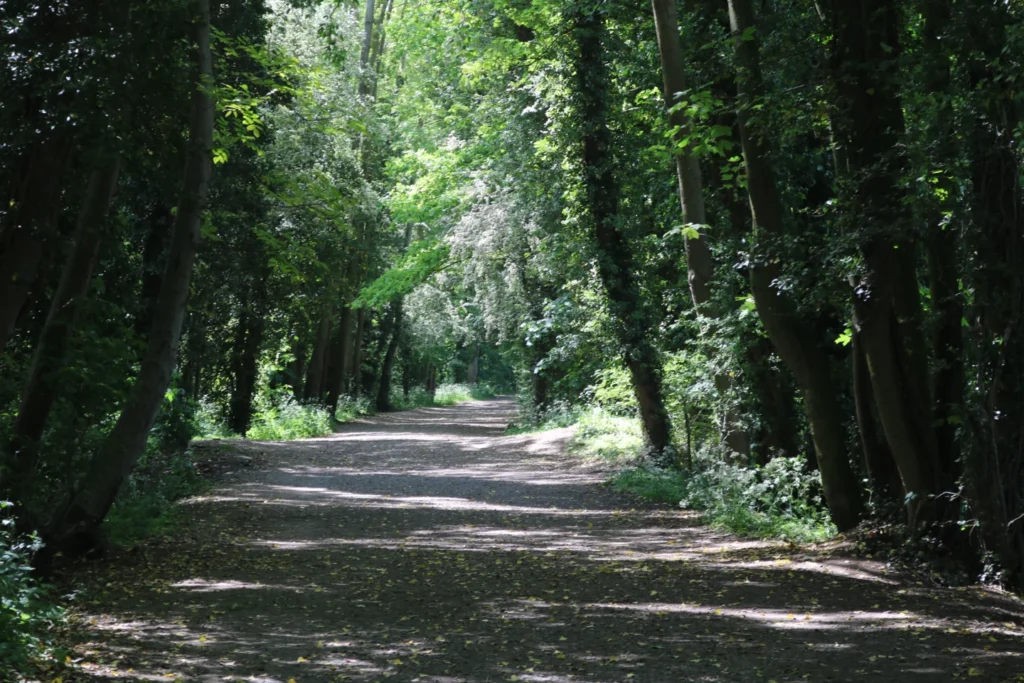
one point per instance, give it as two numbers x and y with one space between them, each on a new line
769 251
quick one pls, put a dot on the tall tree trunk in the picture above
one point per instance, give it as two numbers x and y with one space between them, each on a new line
793 337
154 250
994 453
248 341
384 388
614 258
342 354
942 244
473 371
75 528
700 265
357 352
878 461
868 123
36 207
431 380
318 361
51 350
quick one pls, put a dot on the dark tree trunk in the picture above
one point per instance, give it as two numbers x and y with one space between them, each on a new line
868 124
36 207
154 251
994 453
878 461
75 528
296 370
51 350
473 370
315 375
794 339
431 380
941 241
384 388
357 352
614 259
778 433
248 340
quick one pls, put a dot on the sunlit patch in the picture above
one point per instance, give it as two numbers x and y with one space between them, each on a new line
204 586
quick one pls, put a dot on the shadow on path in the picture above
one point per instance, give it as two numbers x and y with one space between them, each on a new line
428 546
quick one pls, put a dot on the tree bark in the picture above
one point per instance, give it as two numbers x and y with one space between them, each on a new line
384 388
51 349
342 354
700 265
793 337
878 461
315 375
357 352
614 259
249 339
868 123
154 251
75 528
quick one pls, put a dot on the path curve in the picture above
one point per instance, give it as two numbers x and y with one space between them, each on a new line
427 546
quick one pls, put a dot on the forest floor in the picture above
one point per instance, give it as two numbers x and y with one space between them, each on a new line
429 546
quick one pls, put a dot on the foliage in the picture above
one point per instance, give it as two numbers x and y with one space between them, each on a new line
450 394
279 417
28 616
145 504
780 500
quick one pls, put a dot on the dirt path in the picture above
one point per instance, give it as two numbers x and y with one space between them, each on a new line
428 546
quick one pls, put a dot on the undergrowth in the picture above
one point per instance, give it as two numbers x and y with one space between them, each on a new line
29 617
451 394
780 500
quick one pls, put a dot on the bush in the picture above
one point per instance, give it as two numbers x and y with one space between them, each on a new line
779 500
28 619
556 416
600 434
279 417
350 408
210 424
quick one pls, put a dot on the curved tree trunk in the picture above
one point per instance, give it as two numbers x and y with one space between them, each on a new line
75 528
793 338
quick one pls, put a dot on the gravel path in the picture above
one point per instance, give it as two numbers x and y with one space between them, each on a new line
428 546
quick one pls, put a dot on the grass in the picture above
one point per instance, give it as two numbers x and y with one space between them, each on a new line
451 394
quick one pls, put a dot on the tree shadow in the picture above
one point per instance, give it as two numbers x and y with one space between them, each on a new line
473 557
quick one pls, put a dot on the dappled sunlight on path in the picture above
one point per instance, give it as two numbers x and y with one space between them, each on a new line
428 546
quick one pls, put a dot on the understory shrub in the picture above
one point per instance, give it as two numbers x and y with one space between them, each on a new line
28 619
450 394
604 435
349 408
780 500
279 417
